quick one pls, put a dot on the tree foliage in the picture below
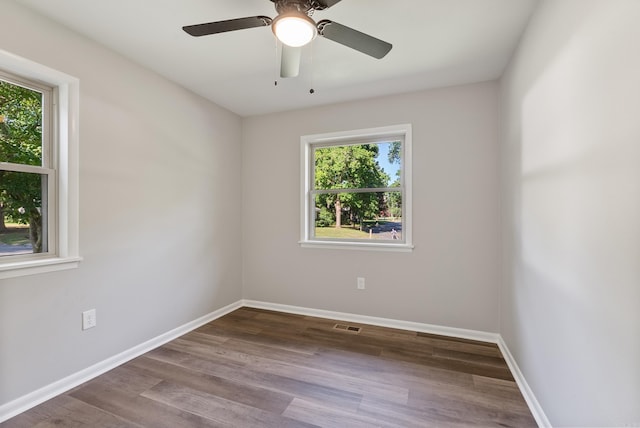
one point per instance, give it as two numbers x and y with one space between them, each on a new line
21 143
348 167
394 199
395 152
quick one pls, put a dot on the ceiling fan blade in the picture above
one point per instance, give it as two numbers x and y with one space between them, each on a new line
290 61
354 39
228 25
327 3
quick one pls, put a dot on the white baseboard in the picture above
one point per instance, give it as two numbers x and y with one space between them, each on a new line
45 393
381 322
527 393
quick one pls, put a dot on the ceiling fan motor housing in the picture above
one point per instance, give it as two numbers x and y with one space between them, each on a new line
302 6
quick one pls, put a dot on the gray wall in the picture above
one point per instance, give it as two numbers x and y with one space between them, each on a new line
159 202
571 227
452 276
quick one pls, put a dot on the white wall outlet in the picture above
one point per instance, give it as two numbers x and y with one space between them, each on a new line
89 319
360 283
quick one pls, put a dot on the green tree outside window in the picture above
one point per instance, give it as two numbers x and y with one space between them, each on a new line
21 143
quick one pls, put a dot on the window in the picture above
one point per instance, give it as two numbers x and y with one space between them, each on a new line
38 168
356 190
27 191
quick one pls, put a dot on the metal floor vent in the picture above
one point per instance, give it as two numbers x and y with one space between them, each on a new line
347 328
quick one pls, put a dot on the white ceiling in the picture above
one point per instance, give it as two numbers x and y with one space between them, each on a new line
435 43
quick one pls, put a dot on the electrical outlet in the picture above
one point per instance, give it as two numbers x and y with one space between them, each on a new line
89 319
360 283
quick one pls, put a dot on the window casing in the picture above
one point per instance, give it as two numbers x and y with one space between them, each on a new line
354 193
55 192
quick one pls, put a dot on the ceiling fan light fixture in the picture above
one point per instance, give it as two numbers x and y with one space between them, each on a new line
294 29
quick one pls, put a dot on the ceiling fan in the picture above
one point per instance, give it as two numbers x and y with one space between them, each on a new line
295 28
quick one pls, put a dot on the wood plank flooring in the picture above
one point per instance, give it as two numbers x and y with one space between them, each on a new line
257 368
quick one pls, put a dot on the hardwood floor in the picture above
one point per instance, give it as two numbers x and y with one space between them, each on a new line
257 368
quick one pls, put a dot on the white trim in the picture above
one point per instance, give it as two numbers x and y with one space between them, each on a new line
527 393
45 393
35 266
381 322
338 245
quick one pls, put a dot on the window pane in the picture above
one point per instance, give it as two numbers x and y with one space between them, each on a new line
23 222
358 166
20 125
359 216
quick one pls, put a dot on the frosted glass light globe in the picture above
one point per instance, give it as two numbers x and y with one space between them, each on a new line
295 29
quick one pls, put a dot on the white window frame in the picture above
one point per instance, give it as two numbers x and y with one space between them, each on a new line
63 192
307 206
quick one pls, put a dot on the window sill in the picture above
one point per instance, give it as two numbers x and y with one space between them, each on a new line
337 245
37 266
